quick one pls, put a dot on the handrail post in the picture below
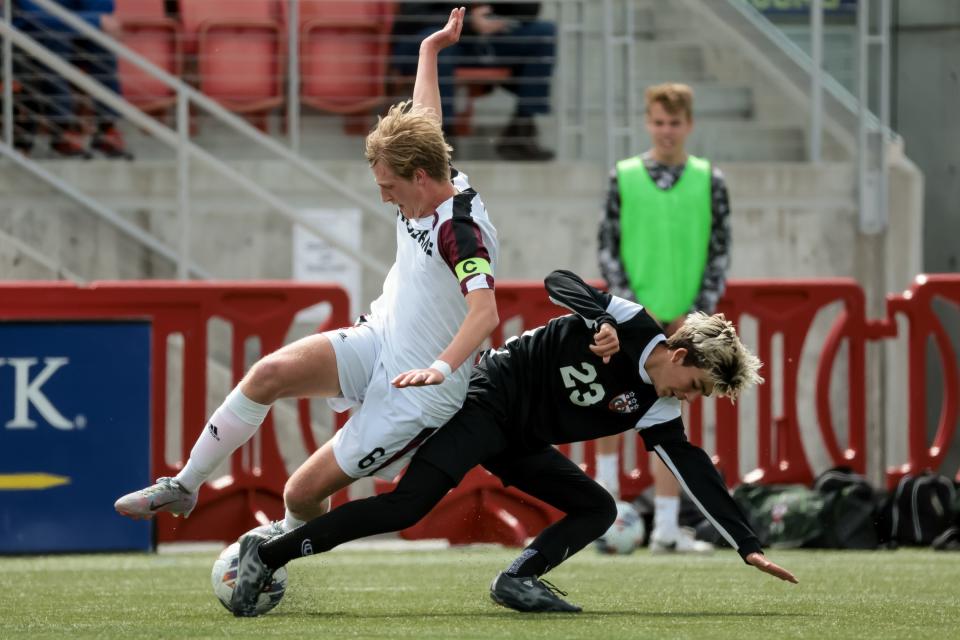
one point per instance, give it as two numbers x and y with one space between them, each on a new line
885 134
560 86
863 53
872 137
608 114
816 80
581 56
7 77
293 74
183 183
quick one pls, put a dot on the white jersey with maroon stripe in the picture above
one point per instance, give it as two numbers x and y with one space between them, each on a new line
422 305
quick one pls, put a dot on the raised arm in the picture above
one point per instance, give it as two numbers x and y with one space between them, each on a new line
600 311
567 289
426 88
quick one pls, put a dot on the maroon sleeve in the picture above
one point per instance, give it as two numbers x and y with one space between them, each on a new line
459 239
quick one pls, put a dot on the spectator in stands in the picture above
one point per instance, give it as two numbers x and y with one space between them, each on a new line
664 207
49 95
496 34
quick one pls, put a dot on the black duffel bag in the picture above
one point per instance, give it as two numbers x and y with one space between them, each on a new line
918 510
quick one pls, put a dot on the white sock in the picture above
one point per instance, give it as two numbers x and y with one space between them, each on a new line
291 522
666 514
231 425
608 472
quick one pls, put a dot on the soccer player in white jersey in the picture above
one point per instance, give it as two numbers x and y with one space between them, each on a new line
436 308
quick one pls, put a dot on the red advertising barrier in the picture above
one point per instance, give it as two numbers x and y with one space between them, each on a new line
788 309
924 326
481 509
263 310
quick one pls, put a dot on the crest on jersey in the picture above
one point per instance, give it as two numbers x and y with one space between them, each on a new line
624 403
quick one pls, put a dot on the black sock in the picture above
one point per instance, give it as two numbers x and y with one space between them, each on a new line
420 489
529 563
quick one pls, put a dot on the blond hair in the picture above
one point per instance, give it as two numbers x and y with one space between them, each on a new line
712 344
674 97
408 138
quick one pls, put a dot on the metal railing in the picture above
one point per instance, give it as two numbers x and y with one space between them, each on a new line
874 135
578 22
42 60
179 139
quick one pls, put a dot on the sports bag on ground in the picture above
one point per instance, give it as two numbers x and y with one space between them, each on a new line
918 510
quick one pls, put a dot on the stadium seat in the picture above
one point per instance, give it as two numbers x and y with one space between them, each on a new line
145 28
344 51
239 49
478 81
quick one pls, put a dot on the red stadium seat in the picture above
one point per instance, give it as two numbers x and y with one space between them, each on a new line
344 51
145 28
478 82
239 48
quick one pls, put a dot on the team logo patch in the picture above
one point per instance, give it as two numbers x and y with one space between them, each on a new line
624 403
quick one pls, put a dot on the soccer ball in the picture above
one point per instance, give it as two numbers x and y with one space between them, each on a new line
224 575
625 534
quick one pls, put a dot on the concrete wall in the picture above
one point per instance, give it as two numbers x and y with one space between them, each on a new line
926 102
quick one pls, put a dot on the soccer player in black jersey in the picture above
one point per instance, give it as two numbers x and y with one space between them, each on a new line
605 369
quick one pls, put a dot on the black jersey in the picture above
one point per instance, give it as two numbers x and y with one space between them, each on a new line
547 387
558 391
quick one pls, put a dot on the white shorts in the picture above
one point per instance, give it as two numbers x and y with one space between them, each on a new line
386 429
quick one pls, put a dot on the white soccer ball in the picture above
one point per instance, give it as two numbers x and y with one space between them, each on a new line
625 534
224 576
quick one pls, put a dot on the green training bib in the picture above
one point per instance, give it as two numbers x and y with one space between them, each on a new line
665 235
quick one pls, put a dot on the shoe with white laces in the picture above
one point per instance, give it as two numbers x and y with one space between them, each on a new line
685 542
252 575
529 594
166 495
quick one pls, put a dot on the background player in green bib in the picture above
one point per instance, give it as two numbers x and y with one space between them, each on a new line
664 242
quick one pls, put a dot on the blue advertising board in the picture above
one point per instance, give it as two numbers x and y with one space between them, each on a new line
74 434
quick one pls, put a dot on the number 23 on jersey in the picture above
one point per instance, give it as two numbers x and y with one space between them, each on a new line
585 392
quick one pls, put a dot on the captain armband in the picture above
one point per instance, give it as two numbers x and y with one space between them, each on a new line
471 267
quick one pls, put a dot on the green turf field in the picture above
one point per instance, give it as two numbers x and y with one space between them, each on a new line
443 594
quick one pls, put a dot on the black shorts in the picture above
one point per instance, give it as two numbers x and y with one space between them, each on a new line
471 437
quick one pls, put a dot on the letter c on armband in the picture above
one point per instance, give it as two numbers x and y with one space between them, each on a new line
471 267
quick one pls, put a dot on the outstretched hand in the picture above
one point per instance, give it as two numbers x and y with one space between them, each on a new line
760 562
449 35
605 342
418 378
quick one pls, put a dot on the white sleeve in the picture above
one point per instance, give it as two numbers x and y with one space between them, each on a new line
621 309
663 410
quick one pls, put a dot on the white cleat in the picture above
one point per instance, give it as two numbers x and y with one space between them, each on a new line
166 495
684 542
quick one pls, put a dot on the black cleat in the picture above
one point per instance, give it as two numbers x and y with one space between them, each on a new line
529 594
252 575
